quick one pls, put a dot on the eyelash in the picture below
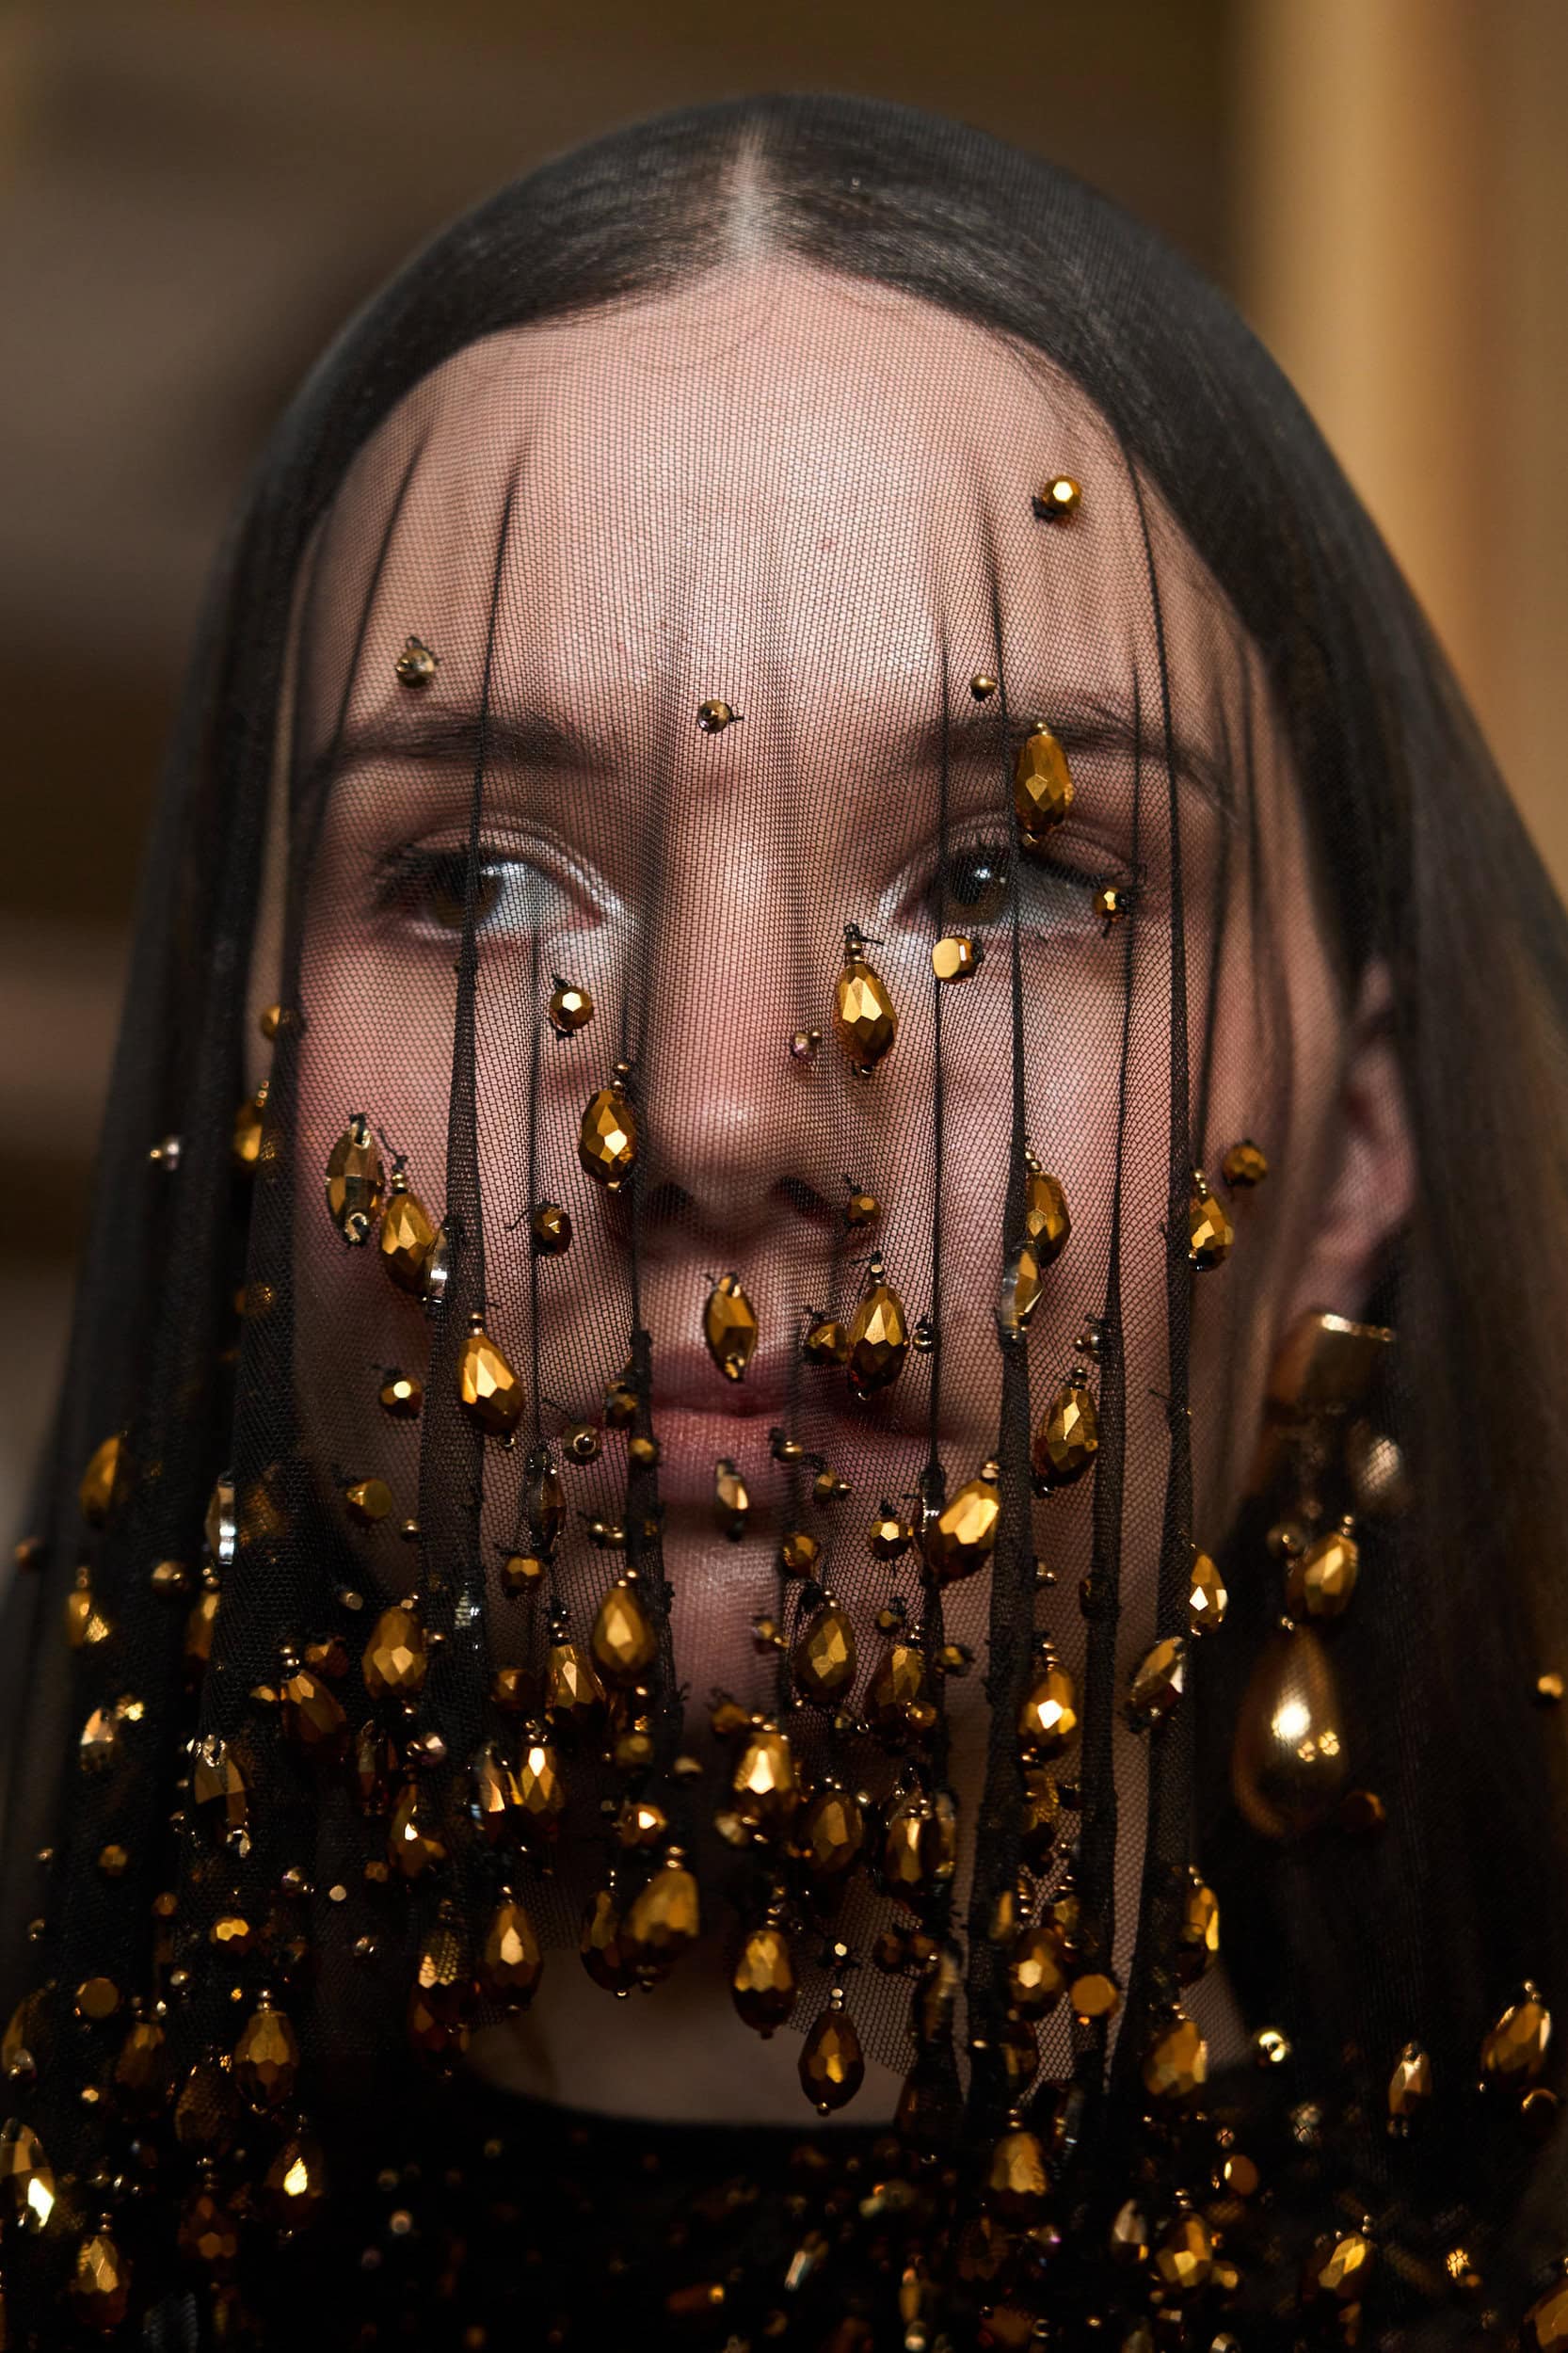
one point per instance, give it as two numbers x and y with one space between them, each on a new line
1063 879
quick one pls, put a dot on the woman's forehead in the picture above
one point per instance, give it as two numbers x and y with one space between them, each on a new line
776 474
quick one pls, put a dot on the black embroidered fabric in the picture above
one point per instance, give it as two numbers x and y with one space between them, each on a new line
665 594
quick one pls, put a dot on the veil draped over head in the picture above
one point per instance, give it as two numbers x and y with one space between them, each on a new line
798 776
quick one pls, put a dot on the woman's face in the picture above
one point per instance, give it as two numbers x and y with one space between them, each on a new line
810 500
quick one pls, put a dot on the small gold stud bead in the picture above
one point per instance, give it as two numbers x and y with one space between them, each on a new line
1057 499
982 686
416 664
713 716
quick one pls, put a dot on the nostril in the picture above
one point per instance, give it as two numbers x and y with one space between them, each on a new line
806 1202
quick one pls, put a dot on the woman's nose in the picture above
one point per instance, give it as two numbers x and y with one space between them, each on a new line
742 1132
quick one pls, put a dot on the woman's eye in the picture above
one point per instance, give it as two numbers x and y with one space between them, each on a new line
428 889
976 882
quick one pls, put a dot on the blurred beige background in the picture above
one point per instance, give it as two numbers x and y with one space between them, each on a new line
193 196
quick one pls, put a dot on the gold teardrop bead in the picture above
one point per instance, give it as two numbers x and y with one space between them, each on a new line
540 1795
1042 787
570 1008
101 2282
103 1483
217 1786
665 1917
414 1846
1046 1219
919 1850
730 1327
1176 2062
574 1696
1206 1597
763 1981
878 1340
1287 1764
141 2064
602 1946
1244 1163
831 1833
890 1536
26 2177
963 1536
355 1180
1042 1810
864 1018
731 1499
623 1642
1544 2327
1337 2267
1047 1721
1158 1682
898 1686
832 2064
1408 2085
312 1715
1016 2181
295 2183
266 2057
510 1964
1021 1288
825 1656
1184 2255
1323 1579
607 1141
765 1784
406 1235
1514 2050
493 1793
1199 1937
1067 1437
1038 1970
488 1388
1209 1231
84 1622
396 1659
250 1125
957 958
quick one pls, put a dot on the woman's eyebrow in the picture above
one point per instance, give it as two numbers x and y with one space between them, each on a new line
1085 722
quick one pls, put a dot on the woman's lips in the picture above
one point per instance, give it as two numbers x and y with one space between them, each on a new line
701 1419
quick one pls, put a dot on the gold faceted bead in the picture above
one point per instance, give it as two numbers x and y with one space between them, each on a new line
312 1715
249 1130
368 1501
1067 1436
1323 1579
730 1327
354 1180
522 1572
1408 2085
1184 2255
831 1833
623 1642
1209 1231
963 1536
861 1208
1042 787
266 2057
103 1483
550 1229
544 1502
1176 2062
1016 2181
1337 2267
1514 2050
1047 1721
574 1696
1158 1682
26 2177
97 1998
641 1823
1046 1219
141 2065
84 1622
208 2234
827 1342
101 2281
826 1655
1021 1288
414 1844
1129 2237
1042 1810
396 1658
1057 499
605 1954
890 1536
1206 1597
832 2065
878 1339
295 2183
897 1687
920 1845
665 1917
798 1552
607 1141
864 1018
713 715
765 1784
1199 1937
1038 1970
509 1963
416 666
494 1793
570 1008
539 1793
1093 1993
406 1235
763 1980
1287 1764
731 1499
488 1390
217 1786
1110 903
957 958
1244 1163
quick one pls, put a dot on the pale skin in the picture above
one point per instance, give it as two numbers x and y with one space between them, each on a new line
778 488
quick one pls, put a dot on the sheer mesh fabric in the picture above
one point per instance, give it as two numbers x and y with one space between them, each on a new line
758 407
